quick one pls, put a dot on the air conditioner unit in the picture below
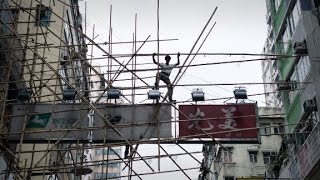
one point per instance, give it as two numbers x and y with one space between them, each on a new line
283 86
287 85
300 47
310 105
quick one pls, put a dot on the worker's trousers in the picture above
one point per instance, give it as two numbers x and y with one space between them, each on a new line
165 78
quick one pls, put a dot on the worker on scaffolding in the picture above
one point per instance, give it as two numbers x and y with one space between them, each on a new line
164 74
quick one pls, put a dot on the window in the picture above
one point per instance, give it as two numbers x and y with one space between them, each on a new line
295 15
110 165
269 157
113 175
114 152
104 175
253 156
229 178
301 71
66 36
99 175
279 129
105 151
75 1
63 71
303 68
265 129
102 81
91 84
113 165
286 37
273 50
274 65
70 35
227 155
43 15
98 151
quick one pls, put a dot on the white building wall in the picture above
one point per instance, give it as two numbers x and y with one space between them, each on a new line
270 75
240 165
270 67
97 87
113 167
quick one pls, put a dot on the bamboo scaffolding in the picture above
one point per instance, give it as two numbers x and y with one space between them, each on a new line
40 46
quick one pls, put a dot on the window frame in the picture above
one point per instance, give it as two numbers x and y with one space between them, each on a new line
99 175
43 15
268 156
265 129
279 128
227 156
229 178
254 155
107 151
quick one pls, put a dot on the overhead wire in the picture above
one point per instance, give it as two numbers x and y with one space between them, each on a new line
208 84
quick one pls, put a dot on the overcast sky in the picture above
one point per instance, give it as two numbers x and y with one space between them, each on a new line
240 27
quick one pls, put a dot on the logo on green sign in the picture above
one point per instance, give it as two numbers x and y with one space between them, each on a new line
39 120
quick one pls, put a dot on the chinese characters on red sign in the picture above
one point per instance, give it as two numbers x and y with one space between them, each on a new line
235 121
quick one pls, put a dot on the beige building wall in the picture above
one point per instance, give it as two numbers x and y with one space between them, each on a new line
36 72
50 43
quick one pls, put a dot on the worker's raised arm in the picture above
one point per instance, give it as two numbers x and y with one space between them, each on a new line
178 57
154 60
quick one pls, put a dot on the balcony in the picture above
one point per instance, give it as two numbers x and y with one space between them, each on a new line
308 155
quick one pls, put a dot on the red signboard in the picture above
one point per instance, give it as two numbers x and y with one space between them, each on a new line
232 121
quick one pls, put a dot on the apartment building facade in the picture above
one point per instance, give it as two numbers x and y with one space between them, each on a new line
54 48
295 31
108 163
51 64
11 67
10 75
246 161
270 73
104 162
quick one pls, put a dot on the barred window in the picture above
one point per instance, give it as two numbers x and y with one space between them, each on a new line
43 15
